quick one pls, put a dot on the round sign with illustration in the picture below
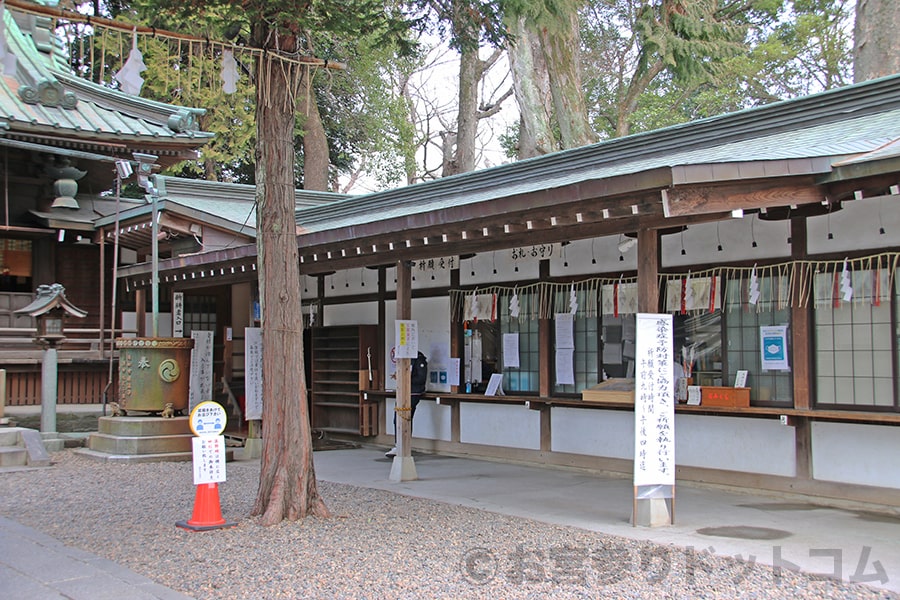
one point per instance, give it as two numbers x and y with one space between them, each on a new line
208 419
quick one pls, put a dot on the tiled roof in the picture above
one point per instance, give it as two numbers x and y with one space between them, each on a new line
45 98
831 127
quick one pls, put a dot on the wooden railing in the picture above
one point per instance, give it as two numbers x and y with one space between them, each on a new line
81 386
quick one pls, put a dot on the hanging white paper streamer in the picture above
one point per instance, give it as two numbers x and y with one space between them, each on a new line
7 58
129 76
514 305
230 73
846 288
573 301
754 287
688 292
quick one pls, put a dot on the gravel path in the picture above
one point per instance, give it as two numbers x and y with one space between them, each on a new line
377 545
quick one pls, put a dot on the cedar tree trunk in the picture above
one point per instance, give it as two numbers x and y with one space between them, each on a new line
287 482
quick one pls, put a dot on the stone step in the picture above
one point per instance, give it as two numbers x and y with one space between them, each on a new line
13 456
148 444
9 437
143 426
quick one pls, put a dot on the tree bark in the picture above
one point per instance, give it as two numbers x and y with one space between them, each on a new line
562 51
316 160
287 482
467 111
876 43
531 84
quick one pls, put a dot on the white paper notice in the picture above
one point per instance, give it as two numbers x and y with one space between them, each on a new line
253 408
565 368
407 333
565 330
654 402
209 459
201 383
511 350
453 375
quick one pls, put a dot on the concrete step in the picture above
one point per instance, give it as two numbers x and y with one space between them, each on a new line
9 436
143 426
13 456
152 444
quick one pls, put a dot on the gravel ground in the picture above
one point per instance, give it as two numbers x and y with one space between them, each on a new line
377 545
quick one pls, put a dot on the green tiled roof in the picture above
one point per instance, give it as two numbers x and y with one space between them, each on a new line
46 98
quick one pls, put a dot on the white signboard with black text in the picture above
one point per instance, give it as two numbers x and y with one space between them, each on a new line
654 402
253 408
201 368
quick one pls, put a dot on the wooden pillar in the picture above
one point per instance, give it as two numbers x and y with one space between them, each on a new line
546 347
801 371
140 308
648 270
403 468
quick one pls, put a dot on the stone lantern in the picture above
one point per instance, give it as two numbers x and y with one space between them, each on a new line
50 308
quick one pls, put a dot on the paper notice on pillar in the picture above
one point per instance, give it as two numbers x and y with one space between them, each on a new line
209 459
253 407
773 348
511 350
201 387
654 402
453 374
178 314
407 336
565 367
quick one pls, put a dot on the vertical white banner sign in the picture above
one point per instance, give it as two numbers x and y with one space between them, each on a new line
654 402
178 314
253 373
201 368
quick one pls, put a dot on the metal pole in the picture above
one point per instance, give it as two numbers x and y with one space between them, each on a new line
154 251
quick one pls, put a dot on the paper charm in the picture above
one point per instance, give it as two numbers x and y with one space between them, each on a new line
573 301
473 308
754 287
688 293
230 73
312 316
846 288
7 58
514 305
129 76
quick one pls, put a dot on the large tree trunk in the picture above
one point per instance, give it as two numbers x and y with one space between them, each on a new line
287 482
467 111
315 143
876 42
562 51
531 83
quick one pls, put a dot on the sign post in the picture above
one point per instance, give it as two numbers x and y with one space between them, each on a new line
654 422
207 421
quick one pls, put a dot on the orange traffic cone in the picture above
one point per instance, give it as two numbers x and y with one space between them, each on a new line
207 512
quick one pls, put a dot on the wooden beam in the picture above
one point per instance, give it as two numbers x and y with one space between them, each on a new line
747 195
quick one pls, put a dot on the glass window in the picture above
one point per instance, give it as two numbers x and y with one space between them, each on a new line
483 339
15 265
586 355
855 359
742 323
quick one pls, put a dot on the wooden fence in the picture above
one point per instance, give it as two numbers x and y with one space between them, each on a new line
81 386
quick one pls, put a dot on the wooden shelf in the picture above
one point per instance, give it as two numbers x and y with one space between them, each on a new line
340 362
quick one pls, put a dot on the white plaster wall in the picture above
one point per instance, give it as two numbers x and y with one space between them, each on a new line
855 453
735 444
608 433
507 425
729 443
433 318
856 226
363 313
592 257
431 422
736 236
